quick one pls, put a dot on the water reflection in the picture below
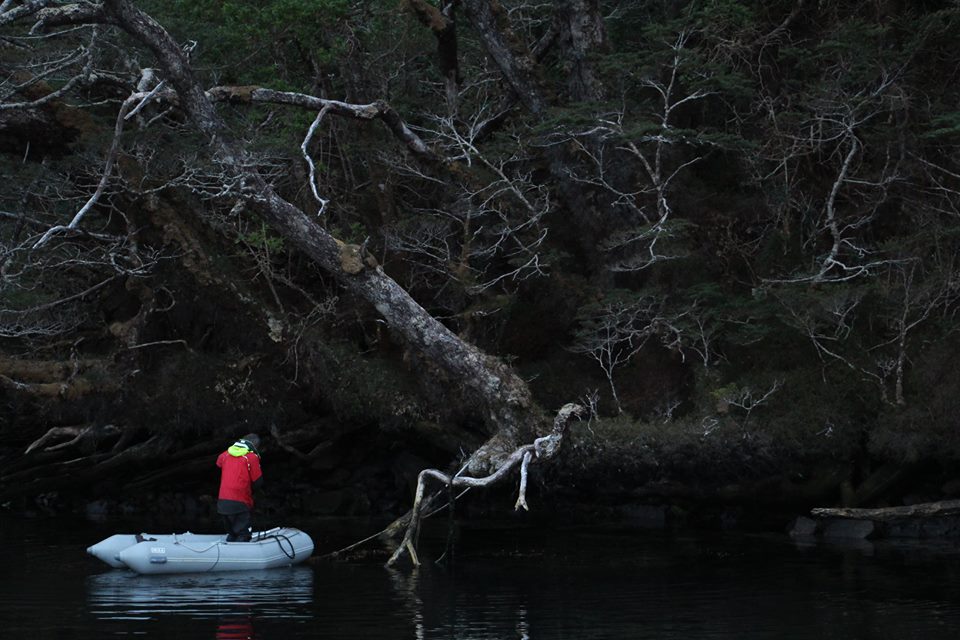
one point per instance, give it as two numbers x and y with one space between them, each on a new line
405 585
557 587
439 606
238 595
235 628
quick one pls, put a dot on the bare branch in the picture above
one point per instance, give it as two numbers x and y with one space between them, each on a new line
542 449
140 99
375 110
306 155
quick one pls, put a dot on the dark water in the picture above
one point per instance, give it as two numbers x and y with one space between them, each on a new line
506 584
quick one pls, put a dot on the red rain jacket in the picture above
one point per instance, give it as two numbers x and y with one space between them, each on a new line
237 475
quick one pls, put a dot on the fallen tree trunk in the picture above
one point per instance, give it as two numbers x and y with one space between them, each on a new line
504 397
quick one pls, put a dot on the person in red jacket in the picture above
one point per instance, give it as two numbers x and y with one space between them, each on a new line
240 474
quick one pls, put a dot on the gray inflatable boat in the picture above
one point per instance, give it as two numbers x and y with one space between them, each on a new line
195 553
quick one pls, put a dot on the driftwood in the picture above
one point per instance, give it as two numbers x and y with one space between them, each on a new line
885 514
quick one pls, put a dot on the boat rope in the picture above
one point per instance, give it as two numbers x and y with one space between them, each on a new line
182 543
264 535
217 561
278 537
272 534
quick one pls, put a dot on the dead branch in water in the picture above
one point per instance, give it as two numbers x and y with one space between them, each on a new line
543 448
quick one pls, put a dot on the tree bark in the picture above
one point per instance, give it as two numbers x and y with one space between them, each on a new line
582 32
442 22
506 51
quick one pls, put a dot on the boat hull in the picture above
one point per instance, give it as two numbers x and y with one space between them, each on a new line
197 553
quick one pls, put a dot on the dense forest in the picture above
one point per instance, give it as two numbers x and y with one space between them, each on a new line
396 235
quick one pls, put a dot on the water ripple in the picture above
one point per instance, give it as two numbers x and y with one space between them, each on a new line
276 593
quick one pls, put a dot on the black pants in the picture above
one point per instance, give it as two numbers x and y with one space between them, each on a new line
237 526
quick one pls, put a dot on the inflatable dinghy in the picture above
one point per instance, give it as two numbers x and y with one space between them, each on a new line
194 553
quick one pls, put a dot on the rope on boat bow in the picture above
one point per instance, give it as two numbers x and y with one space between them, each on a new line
274 534
278 537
